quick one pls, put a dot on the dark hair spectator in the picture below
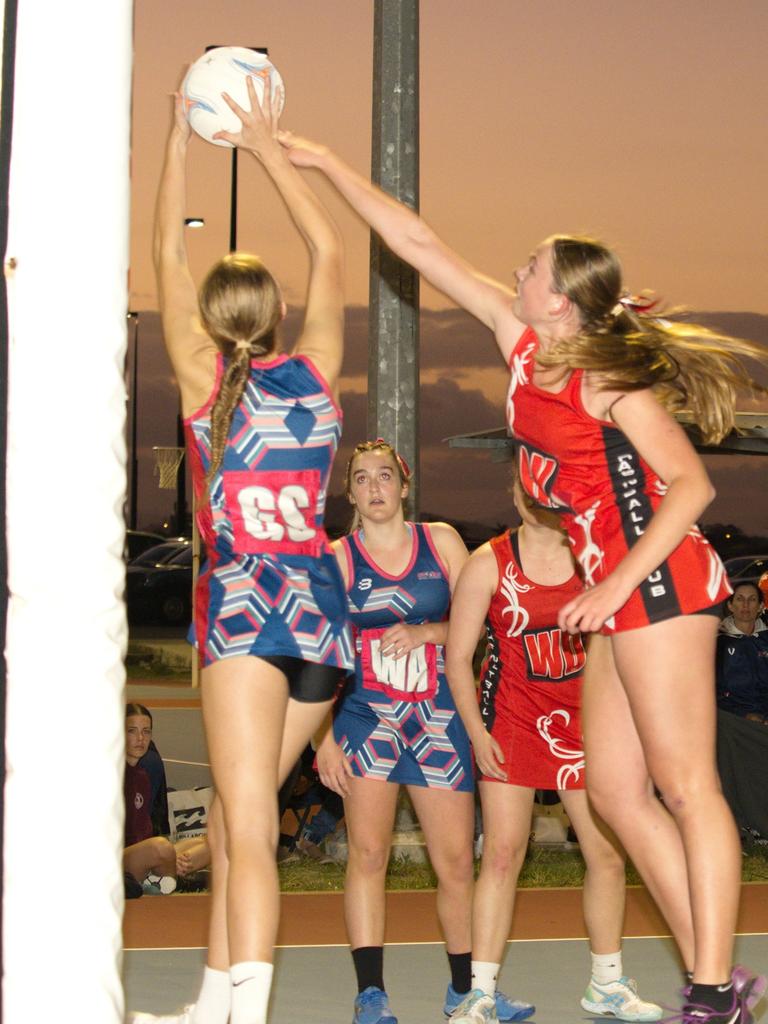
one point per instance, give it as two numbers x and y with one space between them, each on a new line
742 655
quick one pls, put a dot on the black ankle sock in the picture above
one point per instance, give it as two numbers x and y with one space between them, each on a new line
461 972
369 967
716 997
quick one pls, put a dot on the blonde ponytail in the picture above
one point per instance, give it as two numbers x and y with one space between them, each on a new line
630 348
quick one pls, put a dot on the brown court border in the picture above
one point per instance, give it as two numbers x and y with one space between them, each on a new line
317 919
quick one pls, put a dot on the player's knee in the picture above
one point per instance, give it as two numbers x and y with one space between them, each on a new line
252 832
604 861
369 858
606 802
455 867
503 858
164 855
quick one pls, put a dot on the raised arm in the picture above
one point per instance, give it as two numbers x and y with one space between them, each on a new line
191 351
411 238
323 333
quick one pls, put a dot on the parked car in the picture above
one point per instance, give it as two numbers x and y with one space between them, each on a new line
139 541
160 553
158 585
749 573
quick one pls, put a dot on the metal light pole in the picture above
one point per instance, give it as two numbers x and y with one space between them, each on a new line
233 177
393 324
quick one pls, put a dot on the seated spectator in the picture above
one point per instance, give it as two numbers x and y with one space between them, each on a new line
301 791
151 862
742 656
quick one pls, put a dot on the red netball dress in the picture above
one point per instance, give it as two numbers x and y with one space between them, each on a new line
588 470
530 689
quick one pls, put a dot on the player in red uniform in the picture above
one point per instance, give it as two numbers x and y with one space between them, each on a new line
526 735
272 632
649 708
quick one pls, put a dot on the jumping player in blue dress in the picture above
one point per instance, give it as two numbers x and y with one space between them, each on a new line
396 724
271 629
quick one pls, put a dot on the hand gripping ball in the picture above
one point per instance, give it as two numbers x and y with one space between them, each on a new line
225 69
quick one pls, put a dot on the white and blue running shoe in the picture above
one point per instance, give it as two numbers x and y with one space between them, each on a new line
372 1007
475 1008
619 999
506 1009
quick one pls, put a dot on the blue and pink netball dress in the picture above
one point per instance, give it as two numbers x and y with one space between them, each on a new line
270 586
589 471
396 720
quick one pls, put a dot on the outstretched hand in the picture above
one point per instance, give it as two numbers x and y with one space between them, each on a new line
259 124
301 152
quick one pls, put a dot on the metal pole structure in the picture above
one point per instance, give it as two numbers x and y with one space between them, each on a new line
233 203
134 475
233 173
393 324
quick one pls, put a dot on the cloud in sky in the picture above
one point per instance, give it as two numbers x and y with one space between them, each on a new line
463 385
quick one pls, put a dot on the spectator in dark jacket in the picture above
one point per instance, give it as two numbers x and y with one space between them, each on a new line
742 656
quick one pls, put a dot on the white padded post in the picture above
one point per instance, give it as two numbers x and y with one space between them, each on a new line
68 241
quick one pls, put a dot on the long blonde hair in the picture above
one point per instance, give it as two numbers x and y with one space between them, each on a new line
629 348
240 306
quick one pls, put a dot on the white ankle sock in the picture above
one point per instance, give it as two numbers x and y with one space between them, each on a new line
251 982
485 976
606 967
213 1003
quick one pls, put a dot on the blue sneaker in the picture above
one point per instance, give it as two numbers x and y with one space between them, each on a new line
506 1009
372 1007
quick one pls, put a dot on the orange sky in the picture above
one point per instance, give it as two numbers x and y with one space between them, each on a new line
641 123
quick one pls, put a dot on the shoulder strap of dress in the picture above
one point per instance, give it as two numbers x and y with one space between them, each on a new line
514 540
501 547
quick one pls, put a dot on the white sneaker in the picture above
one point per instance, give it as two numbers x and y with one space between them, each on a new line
155 885
475 1008
619 999
183 1017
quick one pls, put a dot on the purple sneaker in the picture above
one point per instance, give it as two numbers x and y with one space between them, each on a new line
755 984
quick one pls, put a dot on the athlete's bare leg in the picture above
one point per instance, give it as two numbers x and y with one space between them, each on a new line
369 810
218 941
605 884
299 724
506 827
447 819
666 730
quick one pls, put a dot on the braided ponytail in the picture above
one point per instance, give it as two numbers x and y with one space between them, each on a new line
240 306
